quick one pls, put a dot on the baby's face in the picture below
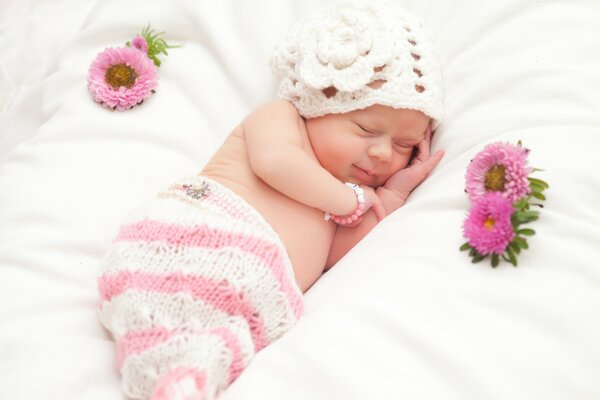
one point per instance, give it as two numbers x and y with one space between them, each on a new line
366 146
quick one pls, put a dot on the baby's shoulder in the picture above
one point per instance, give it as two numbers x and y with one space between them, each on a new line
277 118
278 108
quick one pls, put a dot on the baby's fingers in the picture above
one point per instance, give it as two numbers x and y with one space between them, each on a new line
428 133
378 208
430 164
422 151
423 147
348 222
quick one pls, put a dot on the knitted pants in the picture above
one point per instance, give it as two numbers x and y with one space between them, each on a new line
195 283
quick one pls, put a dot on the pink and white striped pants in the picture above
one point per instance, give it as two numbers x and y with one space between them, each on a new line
195 283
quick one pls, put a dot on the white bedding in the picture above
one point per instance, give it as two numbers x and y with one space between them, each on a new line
405 314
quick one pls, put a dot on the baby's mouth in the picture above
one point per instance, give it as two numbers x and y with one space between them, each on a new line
364 176
366 171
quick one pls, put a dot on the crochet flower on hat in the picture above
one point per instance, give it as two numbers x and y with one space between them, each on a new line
120 78
357 53
342 51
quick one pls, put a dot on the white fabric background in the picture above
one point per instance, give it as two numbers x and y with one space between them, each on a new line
405 314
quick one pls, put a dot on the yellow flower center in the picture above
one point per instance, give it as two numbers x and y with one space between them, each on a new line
120 75
494 179
489 224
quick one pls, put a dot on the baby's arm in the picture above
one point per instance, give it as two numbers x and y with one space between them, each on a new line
276 155
393 195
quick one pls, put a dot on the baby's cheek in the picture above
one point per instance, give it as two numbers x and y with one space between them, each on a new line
399 164
404 158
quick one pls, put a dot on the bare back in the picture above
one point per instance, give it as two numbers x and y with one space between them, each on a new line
306 236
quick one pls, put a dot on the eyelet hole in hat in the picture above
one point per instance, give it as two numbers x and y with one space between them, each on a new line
415 56
377 83
329 92
412 42
419 88
379 69
406 28
417 72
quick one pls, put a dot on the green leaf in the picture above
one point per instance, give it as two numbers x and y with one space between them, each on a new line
538 195
526 216
495 260
526 232
156 44
515 222
521 242
538 182
520 204
465 246
514 247
477 258
511 257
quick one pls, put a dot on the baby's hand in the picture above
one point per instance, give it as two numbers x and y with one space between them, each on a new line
371 201
406 180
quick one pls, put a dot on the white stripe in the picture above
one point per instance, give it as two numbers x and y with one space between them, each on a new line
174 211
243 271
137 310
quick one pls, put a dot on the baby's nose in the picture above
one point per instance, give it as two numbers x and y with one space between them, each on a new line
381 150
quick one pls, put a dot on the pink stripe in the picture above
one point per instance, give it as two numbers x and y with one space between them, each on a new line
229 208
203 236
136 342
232 343
222 297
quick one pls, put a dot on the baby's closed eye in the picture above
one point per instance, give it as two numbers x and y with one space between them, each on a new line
404 145
366 129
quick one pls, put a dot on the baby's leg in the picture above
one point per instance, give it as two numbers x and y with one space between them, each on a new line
174 340
190 297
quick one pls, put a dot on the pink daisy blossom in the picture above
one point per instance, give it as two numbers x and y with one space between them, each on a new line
140 43
487 227
499 167
121 77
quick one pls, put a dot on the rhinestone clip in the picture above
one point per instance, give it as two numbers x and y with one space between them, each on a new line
197 192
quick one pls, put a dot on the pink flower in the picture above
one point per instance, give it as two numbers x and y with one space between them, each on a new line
121 77
487 227
499 167
140 43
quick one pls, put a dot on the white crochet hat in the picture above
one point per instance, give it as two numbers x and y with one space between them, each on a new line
336 59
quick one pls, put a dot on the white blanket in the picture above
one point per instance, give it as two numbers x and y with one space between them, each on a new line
404 314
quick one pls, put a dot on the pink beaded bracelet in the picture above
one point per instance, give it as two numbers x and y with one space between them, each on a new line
360 207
